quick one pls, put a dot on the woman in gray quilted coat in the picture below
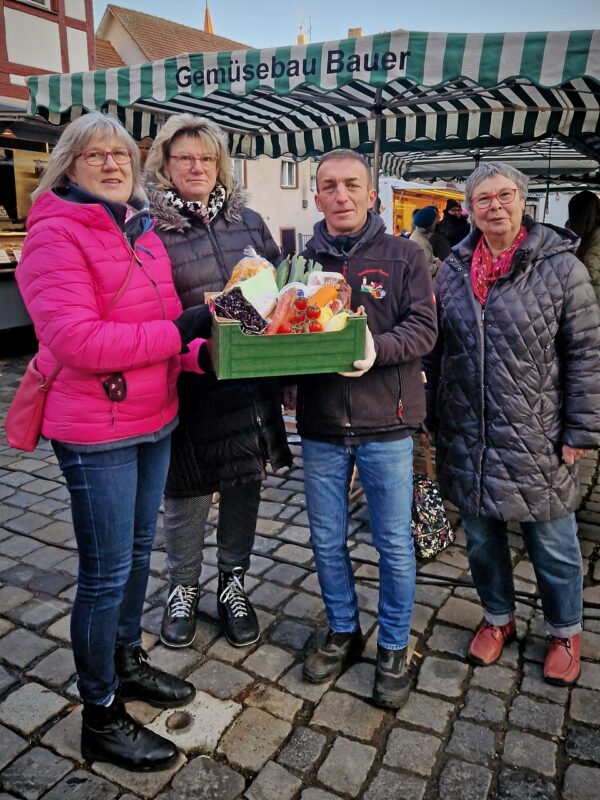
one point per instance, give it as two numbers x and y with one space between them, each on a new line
228 430
514 390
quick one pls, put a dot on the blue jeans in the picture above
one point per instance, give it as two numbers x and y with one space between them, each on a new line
555 555
385 470
115 498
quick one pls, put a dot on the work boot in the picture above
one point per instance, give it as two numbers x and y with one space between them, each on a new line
140 681
108 733
489 641
337 652
392 678
178 628
563 661
240 624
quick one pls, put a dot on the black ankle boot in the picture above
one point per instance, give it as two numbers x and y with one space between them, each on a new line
140 681
334 654
108 733
392 678
178 628
240 624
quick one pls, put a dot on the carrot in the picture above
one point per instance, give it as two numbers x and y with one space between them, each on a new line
284 311
323 296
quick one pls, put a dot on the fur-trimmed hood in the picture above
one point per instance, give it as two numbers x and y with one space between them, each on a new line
169 218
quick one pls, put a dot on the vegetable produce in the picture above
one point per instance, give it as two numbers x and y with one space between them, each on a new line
325 316
313 312
338 322
324 296
314 326
233 305
295 269
284 312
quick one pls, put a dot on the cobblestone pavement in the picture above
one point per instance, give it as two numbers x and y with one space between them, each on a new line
255 729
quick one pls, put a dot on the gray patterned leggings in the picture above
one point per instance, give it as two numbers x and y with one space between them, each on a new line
185 522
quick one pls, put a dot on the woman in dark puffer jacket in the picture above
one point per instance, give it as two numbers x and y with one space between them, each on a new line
517 371
228 430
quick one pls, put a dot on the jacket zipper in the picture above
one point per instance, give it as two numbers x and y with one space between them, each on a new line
139 262
400 406
152 281
218 253
482 349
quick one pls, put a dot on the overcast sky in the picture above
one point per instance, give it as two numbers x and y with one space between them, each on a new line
268 23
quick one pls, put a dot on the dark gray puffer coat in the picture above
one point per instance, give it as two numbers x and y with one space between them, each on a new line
227 430
510 383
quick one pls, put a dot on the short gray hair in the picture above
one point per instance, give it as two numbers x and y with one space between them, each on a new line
489 170
75 138
208 133
344 154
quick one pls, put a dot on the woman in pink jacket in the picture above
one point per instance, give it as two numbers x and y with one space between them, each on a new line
97 283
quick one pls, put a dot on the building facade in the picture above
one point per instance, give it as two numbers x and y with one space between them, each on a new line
36 36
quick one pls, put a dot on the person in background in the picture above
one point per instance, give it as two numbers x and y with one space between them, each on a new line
366 417
584 220
228 430
425 221
97 283
514 391
455 223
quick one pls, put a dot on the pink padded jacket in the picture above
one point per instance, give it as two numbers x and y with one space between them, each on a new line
75 261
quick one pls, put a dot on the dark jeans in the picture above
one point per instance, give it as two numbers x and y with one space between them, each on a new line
553 549
115 498
185 521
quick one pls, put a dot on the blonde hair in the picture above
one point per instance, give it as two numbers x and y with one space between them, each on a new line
75 138
209 135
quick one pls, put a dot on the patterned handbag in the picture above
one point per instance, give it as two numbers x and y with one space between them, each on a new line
431 527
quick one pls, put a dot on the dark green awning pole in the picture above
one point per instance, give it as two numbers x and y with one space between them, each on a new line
377 109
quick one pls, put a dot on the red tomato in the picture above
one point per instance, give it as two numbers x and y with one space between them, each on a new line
299 315
285 327
313 312
314 326
301 303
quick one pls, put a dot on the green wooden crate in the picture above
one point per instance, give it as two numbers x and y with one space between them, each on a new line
240 355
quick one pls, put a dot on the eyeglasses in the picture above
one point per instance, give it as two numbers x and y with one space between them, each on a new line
97 158
187 160
505 197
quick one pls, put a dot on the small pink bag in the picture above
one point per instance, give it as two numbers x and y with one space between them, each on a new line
26 413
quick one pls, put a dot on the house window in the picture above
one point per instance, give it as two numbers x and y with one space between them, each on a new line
47 4
289 175
239 172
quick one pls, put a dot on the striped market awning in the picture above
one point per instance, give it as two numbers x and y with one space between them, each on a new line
394 92
549 157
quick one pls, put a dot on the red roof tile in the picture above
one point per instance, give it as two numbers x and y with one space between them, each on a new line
160 38
106 55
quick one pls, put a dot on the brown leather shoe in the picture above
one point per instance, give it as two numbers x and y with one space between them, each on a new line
563 661
489 641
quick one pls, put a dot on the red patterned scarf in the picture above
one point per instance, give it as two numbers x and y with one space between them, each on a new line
485 269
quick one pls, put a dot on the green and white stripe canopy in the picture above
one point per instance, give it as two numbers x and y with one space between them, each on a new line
394 92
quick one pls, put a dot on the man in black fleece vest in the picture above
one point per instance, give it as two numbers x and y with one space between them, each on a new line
366 417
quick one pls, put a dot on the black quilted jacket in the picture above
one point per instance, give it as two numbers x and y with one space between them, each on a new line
509 384
227 430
